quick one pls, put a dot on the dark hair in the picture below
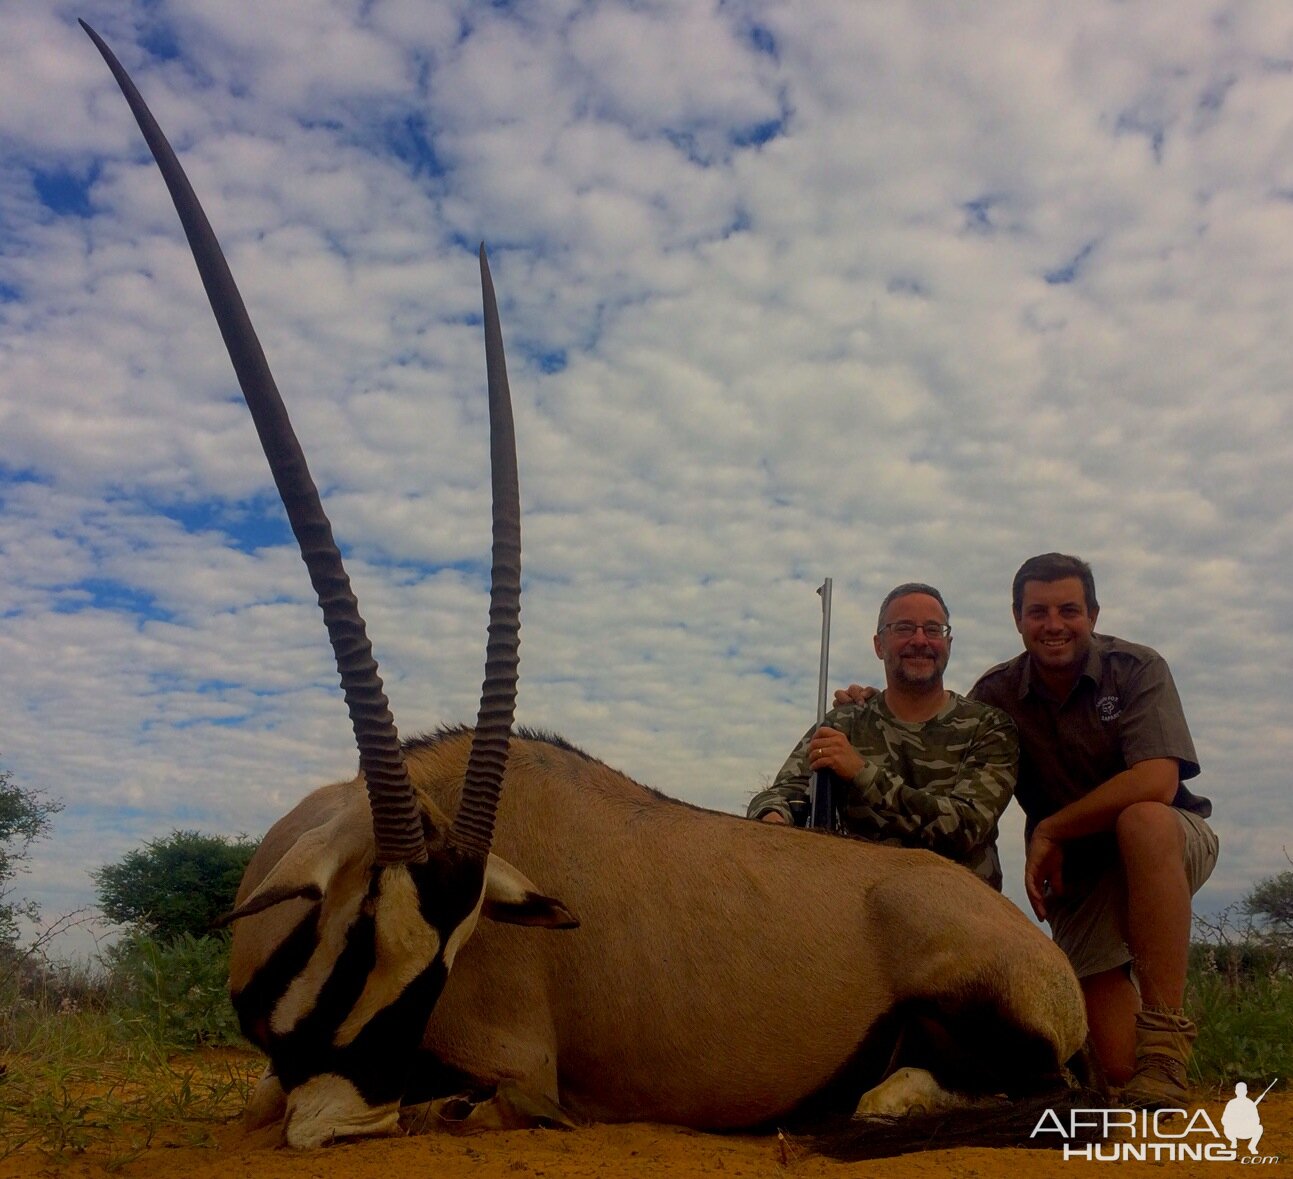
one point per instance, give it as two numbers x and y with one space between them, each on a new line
1053 567
910 587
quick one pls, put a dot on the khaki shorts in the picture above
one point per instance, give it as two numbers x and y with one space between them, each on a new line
1090 928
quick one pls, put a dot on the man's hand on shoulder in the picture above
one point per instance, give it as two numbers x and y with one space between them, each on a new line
854 694
773 817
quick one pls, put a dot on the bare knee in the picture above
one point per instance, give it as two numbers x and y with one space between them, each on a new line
1149 829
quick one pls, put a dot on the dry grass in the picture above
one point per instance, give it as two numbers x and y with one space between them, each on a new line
78 1085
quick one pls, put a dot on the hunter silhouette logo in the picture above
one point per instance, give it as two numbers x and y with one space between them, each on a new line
1160 1135
1241 1122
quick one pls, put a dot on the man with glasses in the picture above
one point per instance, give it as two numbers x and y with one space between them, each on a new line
1116 844
921 766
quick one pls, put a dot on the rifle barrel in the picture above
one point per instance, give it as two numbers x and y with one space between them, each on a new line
821 810
824 591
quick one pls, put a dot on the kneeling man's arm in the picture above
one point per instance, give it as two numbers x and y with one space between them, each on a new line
1153 780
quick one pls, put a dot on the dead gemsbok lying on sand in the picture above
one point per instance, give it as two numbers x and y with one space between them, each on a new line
361 968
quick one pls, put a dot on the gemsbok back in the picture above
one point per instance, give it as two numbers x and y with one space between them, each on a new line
723 973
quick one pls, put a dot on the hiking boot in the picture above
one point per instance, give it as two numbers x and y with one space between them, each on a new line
1163 1039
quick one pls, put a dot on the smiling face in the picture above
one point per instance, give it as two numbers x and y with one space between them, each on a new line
1056 624
916 662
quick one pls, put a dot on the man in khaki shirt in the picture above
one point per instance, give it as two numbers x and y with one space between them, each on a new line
1116 843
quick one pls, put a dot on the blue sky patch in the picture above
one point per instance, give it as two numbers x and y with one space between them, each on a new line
159 39
551 361
759 133
249 526
13 475
104 593
740 223
218 722
685 142
472 568
412 142
64 193
762 39
978 214
1071 269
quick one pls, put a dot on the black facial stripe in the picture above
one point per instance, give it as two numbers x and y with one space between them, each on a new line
379 1059
448 887
257 999
306 1050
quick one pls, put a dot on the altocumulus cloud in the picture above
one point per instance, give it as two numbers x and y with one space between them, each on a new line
874 292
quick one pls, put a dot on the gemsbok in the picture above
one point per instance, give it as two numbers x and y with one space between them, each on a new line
712 972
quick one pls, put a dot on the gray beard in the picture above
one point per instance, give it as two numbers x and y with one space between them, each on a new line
909 680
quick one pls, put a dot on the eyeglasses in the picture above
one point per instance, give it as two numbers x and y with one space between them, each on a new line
905 630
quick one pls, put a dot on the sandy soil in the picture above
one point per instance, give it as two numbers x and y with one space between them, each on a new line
611 1152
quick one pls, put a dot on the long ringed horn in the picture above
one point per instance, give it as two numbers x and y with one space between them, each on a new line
473 826
397 827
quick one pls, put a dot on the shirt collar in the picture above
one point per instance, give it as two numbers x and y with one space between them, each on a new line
1090 671
948 706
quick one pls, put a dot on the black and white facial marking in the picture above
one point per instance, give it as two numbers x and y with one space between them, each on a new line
340 1005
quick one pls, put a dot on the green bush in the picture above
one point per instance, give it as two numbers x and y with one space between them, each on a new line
1271 903
25 816
1239 962
174 886
174 992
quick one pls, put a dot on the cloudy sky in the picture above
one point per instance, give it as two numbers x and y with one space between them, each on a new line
871 291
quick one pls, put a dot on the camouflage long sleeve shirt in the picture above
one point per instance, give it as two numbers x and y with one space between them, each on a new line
940 785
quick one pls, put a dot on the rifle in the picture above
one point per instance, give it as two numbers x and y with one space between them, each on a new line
821 813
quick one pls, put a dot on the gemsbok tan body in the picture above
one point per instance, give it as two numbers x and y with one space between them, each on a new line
723 974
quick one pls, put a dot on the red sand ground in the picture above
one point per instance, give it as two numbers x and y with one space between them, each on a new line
637 1151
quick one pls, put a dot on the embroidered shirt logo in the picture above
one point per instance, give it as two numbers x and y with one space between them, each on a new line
1109 707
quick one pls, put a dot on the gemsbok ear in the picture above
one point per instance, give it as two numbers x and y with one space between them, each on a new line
510 897
267 898
308 868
